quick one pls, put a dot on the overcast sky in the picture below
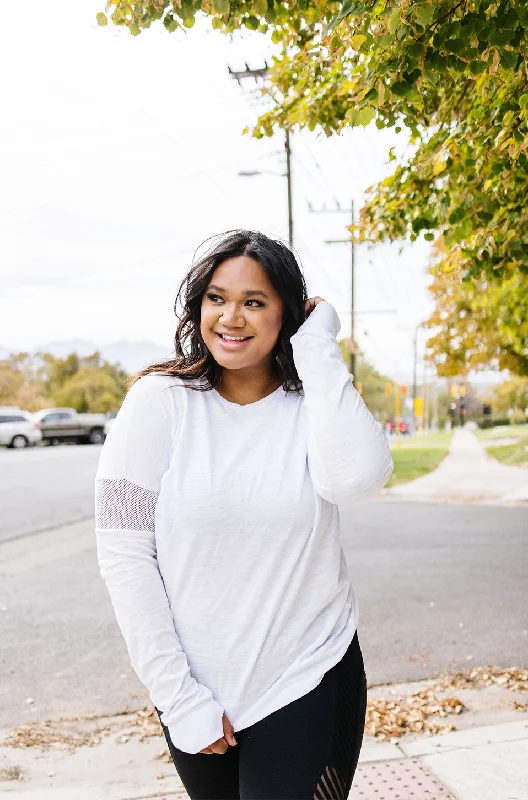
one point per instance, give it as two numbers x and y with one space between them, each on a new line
120 155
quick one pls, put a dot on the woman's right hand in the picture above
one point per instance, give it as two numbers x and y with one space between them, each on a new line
221 745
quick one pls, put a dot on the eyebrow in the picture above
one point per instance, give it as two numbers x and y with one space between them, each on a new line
246 292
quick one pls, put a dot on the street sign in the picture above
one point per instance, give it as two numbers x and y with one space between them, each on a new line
418 407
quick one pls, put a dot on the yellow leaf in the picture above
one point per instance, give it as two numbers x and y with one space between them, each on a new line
439 167
358 40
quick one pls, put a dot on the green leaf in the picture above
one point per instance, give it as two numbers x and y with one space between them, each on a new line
366 115
508 59
251 22
170 23
477 67
454 45
101 19
394 21
401 89
424 13
429 237
501 37
415 50
221 6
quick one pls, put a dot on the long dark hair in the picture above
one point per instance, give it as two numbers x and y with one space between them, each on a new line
284 273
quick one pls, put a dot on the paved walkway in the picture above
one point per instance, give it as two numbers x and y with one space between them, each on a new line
468 474
485 758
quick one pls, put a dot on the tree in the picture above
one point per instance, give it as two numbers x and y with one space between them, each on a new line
22 382
453 72
35 381
373 385
91 389
480 323
511 399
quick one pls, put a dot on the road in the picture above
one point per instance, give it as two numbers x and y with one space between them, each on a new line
43 487
440 588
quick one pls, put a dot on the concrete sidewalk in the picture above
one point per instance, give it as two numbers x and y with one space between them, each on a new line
467 474
485 758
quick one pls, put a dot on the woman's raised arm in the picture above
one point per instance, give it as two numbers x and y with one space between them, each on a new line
348 454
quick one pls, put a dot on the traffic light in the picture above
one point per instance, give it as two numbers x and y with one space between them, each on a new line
418 407
403 389
462 411
487 412
462 391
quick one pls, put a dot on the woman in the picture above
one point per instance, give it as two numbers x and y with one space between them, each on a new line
217 499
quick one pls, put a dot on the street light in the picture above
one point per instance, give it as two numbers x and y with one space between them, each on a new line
249 173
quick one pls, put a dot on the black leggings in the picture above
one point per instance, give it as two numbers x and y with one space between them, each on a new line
306 750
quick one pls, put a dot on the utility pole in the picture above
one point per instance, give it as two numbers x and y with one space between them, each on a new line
415 361
262 73
289 184
349 241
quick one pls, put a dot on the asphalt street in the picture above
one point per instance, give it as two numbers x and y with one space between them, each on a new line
43 487
440 588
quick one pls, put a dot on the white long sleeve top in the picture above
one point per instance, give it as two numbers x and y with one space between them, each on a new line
218 536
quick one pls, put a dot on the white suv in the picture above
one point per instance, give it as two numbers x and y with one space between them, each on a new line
17 428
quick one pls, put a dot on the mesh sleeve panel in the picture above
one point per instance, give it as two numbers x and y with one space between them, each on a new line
123 505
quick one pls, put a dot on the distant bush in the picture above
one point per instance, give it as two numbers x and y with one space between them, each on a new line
493 423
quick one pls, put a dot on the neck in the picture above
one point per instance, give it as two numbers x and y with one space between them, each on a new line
240 387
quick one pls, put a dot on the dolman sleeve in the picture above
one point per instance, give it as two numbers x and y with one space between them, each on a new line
348 453
133 460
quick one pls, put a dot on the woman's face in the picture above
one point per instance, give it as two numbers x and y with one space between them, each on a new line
240 301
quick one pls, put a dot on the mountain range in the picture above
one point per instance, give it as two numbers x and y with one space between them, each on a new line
130 355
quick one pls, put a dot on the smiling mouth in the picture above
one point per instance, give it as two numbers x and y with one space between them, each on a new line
225 339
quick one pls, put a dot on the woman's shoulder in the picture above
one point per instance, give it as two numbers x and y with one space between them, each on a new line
160 389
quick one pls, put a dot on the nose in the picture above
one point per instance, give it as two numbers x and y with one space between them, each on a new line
230 316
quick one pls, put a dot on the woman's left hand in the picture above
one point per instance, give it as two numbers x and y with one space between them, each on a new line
311 304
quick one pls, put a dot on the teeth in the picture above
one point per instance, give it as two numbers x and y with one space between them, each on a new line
233 338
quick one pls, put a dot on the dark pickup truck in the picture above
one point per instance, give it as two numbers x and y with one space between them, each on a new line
66 425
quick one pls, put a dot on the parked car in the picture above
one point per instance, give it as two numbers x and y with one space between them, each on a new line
405 427
17 428
66 425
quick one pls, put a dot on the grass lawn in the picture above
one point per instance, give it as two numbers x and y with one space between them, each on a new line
418 455
513 455
500 432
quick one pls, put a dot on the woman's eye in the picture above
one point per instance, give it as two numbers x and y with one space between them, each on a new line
213 296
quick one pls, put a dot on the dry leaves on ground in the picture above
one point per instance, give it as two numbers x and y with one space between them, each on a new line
11 774
386 719
45 735
414 713
513 678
